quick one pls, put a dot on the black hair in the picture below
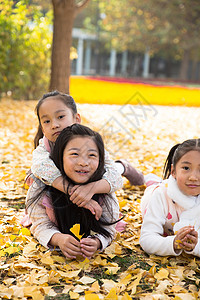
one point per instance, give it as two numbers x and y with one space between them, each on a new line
177 152
65 98
66 212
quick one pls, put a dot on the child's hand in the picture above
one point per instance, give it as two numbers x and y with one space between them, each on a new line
69 246
95 208
191 240
78 192
82 194
89 246
186 239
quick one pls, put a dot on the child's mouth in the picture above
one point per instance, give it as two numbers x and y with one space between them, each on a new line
193 186
56 133
82 172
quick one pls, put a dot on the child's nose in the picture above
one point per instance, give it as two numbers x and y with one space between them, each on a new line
193 176
55 124
83 161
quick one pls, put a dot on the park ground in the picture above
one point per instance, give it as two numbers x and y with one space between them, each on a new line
141 133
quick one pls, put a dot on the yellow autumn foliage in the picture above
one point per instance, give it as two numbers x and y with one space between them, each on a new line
94 91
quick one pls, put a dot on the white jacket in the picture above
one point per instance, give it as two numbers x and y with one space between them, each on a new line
167 210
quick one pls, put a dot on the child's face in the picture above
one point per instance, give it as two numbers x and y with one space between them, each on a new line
80 159
187 173
54 117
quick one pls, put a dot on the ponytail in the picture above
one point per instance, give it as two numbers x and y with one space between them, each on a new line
177 152
168 162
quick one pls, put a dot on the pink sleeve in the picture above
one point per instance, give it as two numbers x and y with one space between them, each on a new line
46 201
46 143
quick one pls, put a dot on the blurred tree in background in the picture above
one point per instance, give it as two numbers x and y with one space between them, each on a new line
25 42
168 27
26 45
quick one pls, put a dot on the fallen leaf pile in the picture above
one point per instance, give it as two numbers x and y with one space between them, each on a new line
123 271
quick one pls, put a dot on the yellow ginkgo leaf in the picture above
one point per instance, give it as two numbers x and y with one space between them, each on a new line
162 274
122 203
126 297
112 294
76 231
84 264
54 277
47 260
152 271
86 280
95 287
73 295
112 270
91 297
12 237
2 253
11 250
25 231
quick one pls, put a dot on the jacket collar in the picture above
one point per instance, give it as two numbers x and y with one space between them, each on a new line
177 196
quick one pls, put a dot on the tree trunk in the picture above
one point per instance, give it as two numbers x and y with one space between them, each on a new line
64 14
184 65
194 68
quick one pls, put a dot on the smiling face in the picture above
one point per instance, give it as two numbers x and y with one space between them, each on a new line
80 159
54 117
187 173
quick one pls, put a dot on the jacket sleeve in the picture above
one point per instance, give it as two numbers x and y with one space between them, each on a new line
110 213
152 240
196 250
43 166
42 228
112 175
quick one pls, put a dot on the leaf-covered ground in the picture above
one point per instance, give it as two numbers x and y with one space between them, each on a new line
141 134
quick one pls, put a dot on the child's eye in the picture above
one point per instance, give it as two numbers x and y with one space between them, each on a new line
74 154
92 155
185 168
60 117
46 122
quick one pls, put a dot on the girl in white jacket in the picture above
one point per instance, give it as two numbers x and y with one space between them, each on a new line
171 208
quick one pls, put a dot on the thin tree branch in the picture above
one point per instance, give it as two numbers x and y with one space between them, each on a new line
80 6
